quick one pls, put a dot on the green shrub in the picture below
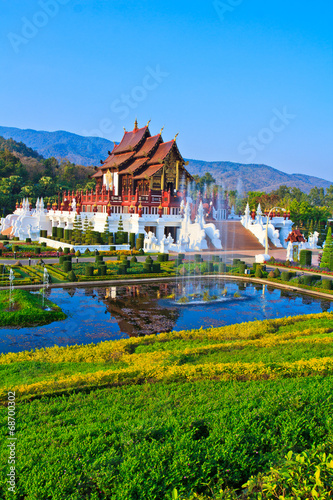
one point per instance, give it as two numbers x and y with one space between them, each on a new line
15 248
258 272
222 267
71 276
60 249
62 259
89 270
98 259
242 267
156 267
132 240
67 266
102 270
60 232
271 274
134 259
54 232
277 273
210 267
305 258
77 253
327 284
37 250
149 260
307 279
122 269
235 262
285 276
28 240
139 243
147 267
43 244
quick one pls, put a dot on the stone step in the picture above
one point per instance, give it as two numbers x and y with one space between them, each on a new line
234 236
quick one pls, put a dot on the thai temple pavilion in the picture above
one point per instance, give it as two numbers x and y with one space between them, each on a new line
143 174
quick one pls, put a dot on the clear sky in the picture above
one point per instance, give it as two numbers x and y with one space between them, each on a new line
240 80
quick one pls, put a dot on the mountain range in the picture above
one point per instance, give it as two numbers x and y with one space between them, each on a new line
88 151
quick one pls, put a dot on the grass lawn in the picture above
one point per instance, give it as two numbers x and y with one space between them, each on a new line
27 310
194 413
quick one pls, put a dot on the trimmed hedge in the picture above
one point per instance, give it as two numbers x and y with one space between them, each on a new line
305 258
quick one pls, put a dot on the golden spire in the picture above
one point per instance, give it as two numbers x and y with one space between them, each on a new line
136 124
148 123
124 129
176 136
162 129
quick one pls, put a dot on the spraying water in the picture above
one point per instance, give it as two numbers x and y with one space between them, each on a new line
11 289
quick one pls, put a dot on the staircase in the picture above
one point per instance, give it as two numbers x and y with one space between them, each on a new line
234 236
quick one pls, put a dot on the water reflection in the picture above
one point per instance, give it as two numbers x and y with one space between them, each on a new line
137 310
107 313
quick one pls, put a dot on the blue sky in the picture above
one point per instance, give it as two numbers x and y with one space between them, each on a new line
240 80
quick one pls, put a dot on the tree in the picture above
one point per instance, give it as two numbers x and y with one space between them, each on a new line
327 257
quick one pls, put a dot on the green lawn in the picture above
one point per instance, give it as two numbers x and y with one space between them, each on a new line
27 309
198 411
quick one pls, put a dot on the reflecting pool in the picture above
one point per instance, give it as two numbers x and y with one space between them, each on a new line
113 312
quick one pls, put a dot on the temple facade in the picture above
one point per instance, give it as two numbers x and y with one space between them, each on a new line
142 175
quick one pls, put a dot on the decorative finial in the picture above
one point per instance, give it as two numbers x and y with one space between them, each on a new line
124 129
176 136
162 129
148 123
136 124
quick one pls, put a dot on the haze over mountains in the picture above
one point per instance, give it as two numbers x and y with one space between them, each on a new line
90 150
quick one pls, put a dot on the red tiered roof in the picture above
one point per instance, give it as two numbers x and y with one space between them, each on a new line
162 152
139 154
151 170
148 146
131 140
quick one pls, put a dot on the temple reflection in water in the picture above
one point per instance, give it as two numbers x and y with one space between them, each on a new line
137 310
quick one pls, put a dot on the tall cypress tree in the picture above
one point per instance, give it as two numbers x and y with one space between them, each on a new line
327 257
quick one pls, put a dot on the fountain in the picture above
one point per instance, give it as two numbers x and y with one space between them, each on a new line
11 289
45 285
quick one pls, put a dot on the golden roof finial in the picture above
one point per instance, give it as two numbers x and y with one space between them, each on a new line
176 136
124 129
148 123
162 129
136 124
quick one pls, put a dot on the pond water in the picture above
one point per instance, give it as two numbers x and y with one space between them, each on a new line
108 313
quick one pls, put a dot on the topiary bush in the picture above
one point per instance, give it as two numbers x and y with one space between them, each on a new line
62 259
156 267
89 270
67 266
258 272
28 240
277 273
305 258
37 250
77 253
285 276
71 276
102 270
66 251
242 267
222 267
134 259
